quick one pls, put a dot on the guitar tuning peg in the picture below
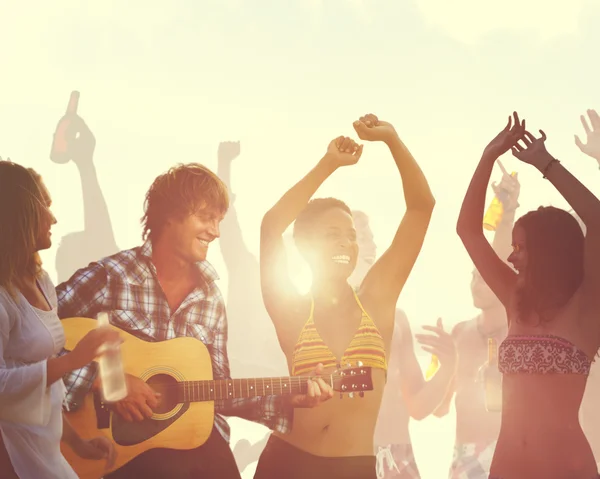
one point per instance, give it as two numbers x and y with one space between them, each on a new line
351 395
361 394
359 364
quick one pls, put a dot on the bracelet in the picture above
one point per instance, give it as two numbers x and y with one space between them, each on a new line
550 163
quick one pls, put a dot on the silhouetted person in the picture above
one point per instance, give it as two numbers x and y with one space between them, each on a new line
252 344
393 447
552 305
97 239
476 428
590 407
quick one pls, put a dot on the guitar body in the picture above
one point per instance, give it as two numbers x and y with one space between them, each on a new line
174 425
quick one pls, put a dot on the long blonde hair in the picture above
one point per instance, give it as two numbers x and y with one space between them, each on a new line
21 201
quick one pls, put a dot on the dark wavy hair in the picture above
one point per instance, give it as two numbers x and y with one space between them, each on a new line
555 267
304 224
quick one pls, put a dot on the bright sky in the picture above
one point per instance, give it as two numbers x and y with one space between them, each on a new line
164 82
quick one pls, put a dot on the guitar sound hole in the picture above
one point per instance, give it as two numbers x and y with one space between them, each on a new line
168 388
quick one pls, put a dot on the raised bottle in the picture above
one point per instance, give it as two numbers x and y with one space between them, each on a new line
495 212
60 143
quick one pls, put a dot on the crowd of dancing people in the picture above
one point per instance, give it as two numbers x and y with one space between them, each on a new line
535 285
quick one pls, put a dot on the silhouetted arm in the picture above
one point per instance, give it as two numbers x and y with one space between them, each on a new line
422 398
444 407
236 254
592 130
97 222
502 242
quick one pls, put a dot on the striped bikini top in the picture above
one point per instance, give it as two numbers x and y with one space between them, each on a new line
541 354
366 346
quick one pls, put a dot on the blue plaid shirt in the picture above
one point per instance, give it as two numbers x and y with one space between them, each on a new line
126 284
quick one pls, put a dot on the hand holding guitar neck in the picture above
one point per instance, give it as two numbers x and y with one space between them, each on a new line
317 391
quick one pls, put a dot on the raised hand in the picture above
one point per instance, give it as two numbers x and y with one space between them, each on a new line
507 138
440 343
508 190
534 152
592 145
343 151
82 142
228 150
370 128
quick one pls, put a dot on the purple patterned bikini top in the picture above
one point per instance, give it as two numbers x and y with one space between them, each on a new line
541 354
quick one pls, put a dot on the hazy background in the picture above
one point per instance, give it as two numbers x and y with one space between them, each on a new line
165 82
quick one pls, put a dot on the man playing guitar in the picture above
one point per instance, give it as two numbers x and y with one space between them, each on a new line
166 289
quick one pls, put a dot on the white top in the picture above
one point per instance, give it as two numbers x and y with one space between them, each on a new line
31 412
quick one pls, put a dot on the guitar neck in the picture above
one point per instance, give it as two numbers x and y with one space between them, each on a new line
196 391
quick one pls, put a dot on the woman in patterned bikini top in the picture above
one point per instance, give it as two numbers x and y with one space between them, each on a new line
552 308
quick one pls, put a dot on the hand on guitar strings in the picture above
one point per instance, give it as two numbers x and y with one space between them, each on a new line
96 448
139 401
317 391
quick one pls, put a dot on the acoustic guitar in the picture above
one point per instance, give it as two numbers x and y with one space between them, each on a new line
180 370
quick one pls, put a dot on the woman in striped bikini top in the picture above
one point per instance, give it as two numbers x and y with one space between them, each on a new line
552 305
335 325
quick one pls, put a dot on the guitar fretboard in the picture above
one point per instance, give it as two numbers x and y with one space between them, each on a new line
194 391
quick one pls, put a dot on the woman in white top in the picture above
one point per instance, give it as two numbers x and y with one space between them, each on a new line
31 387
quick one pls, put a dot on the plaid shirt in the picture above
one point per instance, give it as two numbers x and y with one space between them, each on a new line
126 285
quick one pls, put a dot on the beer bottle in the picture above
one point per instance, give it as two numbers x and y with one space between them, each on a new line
494 213
60 143
434 365
492 379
